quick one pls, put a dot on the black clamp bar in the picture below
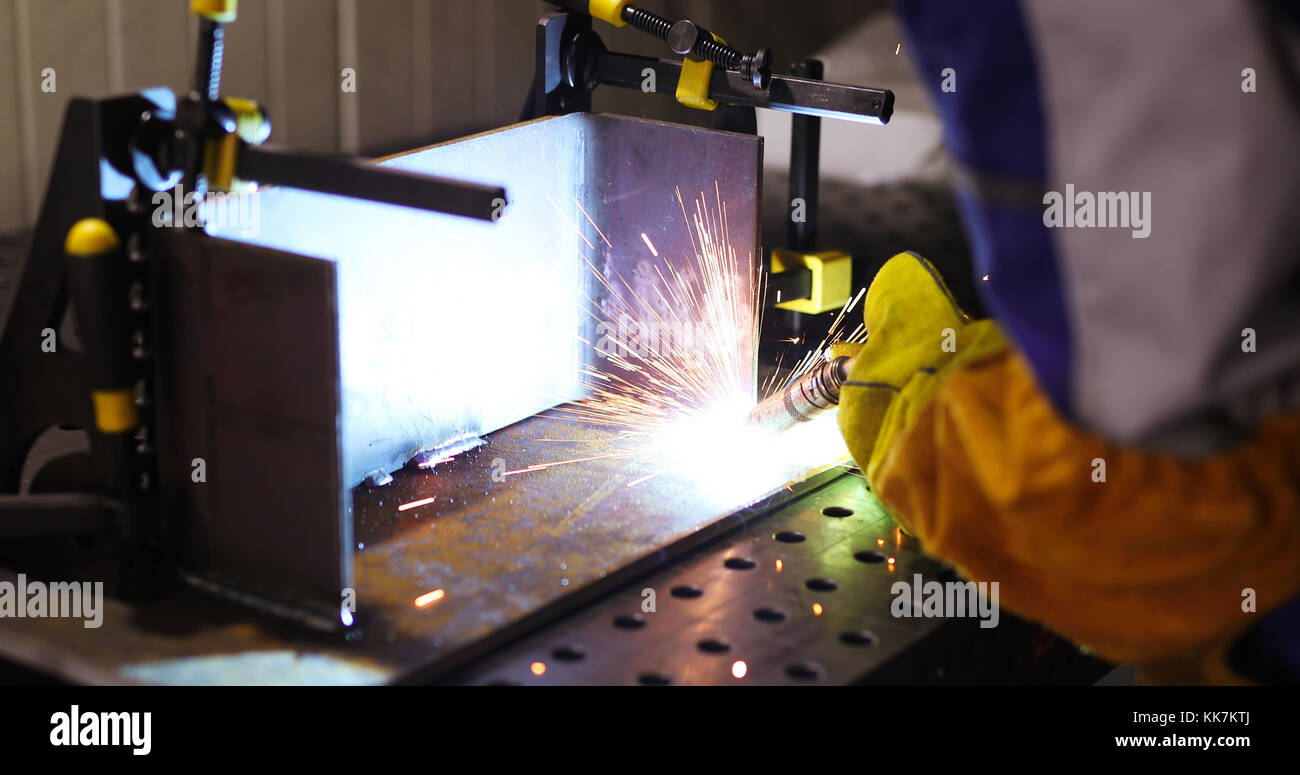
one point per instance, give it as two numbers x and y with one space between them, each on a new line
358 179
804 96
789 285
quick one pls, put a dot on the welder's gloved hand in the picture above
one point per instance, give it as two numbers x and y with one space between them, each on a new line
916 335
1140 556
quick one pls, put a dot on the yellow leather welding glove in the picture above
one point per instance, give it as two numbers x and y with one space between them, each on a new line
1141 557
916 334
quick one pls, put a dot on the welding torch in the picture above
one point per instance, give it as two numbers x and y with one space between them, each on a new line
812 394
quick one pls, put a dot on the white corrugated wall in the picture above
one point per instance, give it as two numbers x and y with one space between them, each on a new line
425 69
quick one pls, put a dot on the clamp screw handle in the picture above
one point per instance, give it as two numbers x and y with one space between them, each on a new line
686 38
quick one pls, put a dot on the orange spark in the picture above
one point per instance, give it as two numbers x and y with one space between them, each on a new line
817 609
538 668
578 231
429 598
649 381
416 504
648 477
781 378
649 244
543 466
593 223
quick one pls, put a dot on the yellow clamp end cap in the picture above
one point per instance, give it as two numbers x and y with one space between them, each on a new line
609 11
832 279
90 237
217 10
115 410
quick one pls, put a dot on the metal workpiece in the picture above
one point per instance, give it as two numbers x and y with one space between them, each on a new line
317 347
801 401
248 384
424 296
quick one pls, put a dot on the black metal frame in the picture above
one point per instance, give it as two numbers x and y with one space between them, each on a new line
106 492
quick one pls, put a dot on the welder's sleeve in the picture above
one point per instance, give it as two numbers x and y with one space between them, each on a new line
1138 555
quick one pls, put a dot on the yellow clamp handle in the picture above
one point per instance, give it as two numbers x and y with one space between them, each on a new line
90 237
115 410
609 11
217 10
93 239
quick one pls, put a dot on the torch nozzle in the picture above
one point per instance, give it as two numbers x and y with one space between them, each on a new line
805 398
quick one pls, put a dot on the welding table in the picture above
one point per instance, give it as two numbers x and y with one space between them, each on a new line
564 589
